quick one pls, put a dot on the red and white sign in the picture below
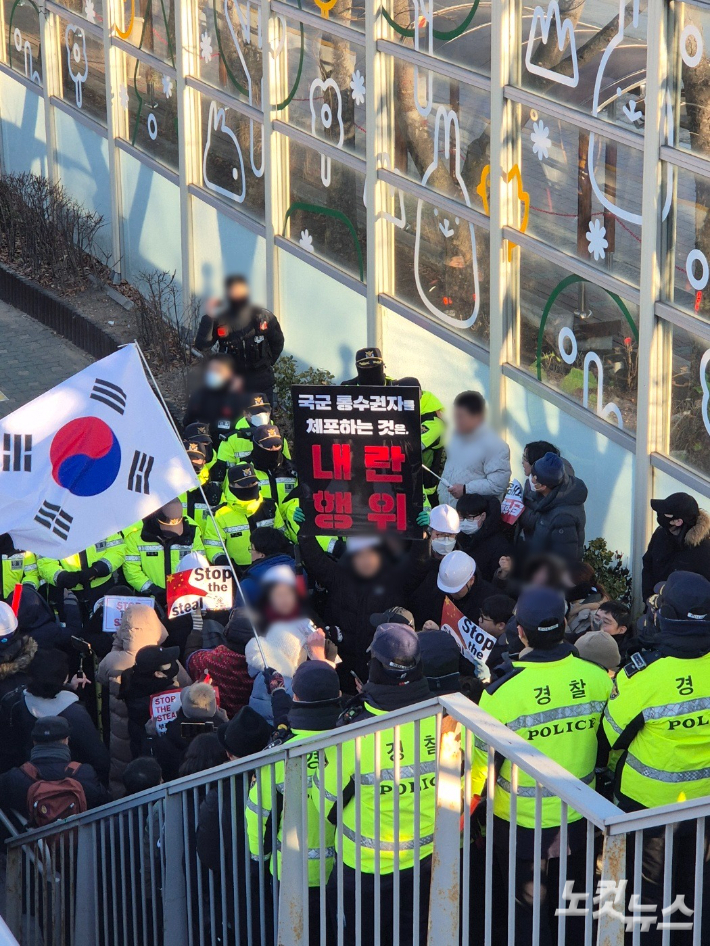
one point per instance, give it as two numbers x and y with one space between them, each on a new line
474 643
164 708
512 505
201 589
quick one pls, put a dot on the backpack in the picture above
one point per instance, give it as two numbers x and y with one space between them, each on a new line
52 800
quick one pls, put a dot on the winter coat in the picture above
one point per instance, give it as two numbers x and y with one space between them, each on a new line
51 765
560 520
137 691
229 673
13 677
480 461
426 601
351 600
169 748
488 544
85 743
689 551
581 615
526 521
37 618
140 627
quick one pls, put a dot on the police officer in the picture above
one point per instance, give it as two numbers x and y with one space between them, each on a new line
244 508
16 566
277 474
658 716
197 503
315 709
396 679
370 368
237 447
250 334
554 701
88 573
156 550
433 435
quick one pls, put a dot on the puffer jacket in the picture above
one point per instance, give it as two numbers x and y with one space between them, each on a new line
140 627
560 520
689 552
14 663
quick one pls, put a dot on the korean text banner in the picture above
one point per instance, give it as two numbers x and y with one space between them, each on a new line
359 458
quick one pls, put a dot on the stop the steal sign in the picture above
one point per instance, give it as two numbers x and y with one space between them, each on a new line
474 643
202 589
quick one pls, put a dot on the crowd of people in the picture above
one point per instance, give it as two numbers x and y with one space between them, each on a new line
329 630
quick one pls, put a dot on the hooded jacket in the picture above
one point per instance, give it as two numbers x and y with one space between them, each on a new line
560 520
488 545
37 618
689 551
15 659
140 627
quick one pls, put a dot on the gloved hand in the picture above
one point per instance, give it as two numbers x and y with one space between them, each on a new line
274 680
423 518
66 579
299 516
155 590
100 569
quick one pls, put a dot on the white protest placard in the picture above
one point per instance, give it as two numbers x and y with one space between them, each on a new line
474 643
206 589
115 605
164 708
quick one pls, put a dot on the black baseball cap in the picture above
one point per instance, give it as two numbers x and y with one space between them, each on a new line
396 647
50 729
677 506
242 476
152 658
268 437
257 403
393 616
368 357
540 609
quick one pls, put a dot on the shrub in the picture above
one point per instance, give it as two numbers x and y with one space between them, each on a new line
286 374
610 569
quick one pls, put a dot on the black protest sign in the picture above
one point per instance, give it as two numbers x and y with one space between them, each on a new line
359 458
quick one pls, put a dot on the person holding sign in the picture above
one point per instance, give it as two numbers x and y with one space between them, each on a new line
554 701
243 510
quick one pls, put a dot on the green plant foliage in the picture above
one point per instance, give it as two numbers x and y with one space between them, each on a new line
287 374
610 569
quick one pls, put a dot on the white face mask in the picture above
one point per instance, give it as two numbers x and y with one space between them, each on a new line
260 420
530 481
470 526
444 546
214 380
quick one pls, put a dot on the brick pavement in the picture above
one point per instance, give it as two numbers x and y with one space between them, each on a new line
33 359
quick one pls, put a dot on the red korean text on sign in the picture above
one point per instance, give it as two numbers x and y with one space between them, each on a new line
387 509
333 510
384 464
337 466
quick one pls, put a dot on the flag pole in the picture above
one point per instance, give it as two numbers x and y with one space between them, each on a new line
207 505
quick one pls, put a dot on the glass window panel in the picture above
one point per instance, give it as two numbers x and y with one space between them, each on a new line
151 103
601 65
691 243
348 12
461 31
81 57
693 61
585 193
231 40
92 10
438 269
455 171
232 163
327 221
23 35
579 339
326 87
689 428
149 25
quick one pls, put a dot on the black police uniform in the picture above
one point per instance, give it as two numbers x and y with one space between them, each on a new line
252 336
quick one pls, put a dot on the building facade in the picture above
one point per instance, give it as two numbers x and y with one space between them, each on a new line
502 195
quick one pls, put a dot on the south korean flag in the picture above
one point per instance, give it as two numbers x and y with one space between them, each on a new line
88 458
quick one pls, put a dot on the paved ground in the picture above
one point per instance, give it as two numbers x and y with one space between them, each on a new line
32 359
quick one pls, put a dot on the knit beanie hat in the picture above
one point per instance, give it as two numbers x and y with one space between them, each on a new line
198 702
549 470
316 681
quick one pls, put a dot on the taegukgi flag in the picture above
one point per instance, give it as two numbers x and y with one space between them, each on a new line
88 458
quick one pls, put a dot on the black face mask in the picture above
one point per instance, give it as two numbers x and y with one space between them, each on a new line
663 521
246 495
374 374
267 460
238 309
